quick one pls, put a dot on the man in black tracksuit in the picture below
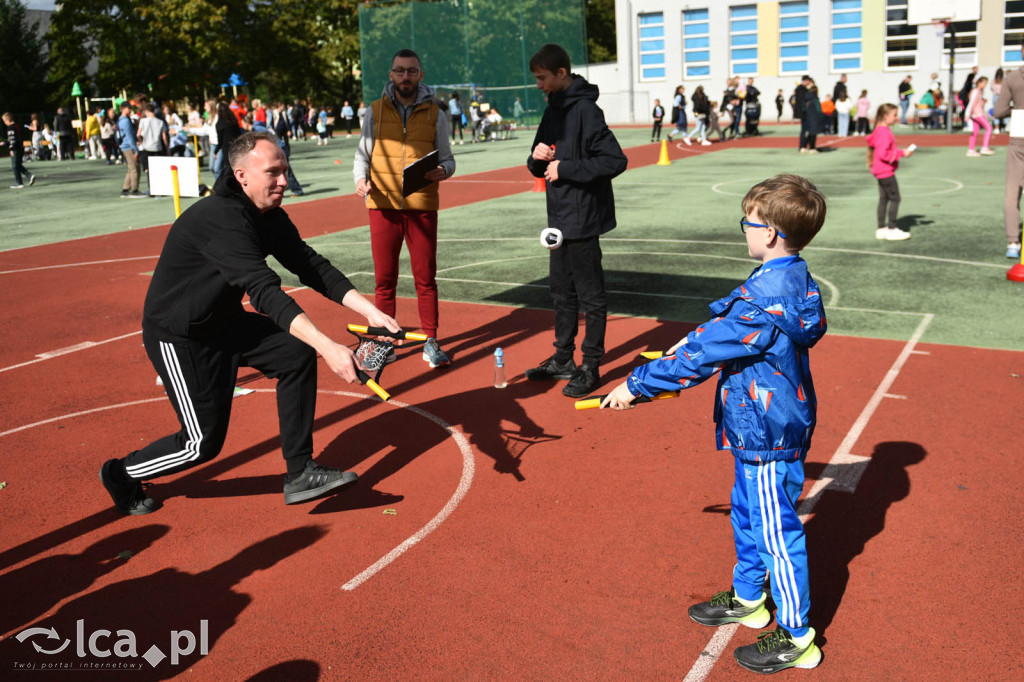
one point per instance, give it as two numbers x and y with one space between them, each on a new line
578 156
197 333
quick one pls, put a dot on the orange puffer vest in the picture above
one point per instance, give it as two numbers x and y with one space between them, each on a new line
394 148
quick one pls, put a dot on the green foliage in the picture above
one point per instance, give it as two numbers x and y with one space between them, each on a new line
177 48
601 30
22 67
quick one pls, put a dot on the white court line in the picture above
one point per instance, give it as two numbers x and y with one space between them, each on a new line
70 349
85 345
465 480
78 265
842 463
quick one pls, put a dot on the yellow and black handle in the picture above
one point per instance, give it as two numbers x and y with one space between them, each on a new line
384 331
373 385
595 401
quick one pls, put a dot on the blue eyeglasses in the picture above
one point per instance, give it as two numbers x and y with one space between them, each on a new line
744 224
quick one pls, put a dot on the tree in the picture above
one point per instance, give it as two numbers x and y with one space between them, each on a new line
22 62
601 30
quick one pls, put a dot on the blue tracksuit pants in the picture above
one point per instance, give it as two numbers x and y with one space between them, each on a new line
770 538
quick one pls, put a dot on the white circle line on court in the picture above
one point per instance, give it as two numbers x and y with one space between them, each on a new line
465 480
957 186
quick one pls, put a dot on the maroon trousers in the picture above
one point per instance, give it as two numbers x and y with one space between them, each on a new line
418 229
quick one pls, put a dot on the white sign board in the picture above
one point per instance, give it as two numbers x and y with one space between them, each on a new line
921 12
160 180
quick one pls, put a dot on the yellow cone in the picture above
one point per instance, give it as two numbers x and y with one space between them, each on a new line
663 157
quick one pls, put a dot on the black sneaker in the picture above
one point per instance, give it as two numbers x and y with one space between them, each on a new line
723 608
124 193
315 481
128 496
583 382
775 651
552 369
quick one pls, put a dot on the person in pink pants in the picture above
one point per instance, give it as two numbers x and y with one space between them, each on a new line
979 119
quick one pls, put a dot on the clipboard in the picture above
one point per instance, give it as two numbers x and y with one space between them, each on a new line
413 179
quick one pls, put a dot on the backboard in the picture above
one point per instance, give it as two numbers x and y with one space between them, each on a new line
923 12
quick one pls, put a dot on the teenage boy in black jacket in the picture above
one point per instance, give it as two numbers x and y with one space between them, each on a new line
197 334
578 156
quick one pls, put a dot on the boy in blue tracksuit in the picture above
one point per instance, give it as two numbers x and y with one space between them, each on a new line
765 410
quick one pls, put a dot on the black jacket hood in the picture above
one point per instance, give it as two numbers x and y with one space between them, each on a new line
578 89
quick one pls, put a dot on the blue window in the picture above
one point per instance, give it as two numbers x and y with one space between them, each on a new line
846 32
652 48
794 38
696 41
743 39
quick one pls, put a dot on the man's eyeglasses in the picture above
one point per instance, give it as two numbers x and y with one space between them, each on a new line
401 72
744 224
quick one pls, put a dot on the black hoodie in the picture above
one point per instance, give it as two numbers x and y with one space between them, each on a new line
216 253
580 202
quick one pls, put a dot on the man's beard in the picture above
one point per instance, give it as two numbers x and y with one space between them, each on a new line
407 90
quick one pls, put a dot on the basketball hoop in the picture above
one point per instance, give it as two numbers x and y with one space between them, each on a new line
940 26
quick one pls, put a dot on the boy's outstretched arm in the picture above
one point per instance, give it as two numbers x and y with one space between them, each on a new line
743 333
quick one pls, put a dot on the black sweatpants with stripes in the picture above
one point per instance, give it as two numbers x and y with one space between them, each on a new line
200 380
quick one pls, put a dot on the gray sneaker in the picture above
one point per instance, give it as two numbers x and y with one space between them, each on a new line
315 481
433 355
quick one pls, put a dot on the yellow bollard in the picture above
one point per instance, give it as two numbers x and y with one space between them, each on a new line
199 165
663 157
177 191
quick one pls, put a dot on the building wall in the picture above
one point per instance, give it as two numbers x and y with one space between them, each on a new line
630 85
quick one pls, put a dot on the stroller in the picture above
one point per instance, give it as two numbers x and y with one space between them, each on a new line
752 116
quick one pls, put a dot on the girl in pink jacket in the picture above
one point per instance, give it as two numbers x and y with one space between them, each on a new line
863 107
975 113
883 160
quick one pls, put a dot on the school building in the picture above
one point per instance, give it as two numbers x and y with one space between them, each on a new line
666 43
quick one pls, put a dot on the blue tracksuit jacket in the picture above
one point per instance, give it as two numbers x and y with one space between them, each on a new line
765 407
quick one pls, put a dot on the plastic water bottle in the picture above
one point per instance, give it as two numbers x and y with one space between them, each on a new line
499 369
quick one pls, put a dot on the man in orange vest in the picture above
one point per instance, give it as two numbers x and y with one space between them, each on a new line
404 125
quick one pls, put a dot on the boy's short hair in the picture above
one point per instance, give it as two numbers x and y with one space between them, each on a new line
789 203
551 57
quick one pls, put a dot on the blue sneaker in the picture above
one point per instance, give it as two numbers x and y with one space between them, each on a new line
433 355
1013 251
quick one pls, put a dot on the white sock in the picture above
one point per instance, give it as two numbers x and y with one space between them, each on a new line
805 641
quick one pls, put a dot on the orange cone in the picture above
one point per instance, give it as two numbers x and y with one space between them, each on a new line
539 185
663 157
